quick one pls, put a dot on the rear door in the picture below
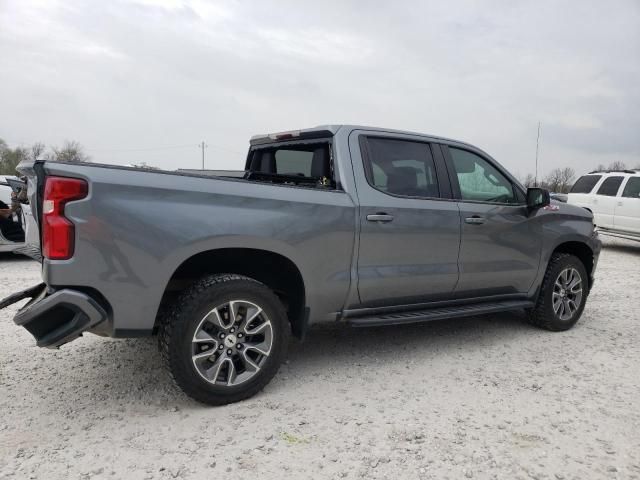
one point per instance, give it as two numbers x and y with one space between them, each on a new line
409 223
604 203
627 210
500 244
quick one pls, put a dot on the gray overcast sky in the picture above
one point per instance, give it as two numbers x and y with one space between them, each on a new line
123 77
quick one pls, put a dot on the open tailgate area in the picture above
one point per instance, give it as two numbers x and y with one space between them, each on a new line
32 246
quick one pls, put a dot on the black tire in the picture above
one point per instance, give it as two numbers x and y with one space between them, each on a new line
181 321
543 314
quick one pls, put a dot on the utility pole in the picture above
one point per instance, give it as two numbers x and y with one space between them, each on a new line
537 147
202 146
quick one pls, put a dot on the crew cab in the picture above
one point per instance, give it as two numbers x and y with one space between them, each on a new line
360 225
613 197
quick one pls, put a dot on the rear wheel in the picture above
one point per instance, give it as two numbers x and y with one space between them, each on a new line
224 339
563 294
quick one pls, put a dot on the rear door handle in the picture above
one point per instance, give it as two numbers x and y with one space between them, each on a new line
619 204
380 217
475 220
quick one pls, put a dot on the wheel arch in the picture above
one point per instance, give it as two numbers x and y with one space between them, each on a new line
275 270
580 250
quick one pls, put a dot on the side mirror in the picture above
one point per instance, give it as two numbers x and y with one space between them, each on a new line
537 198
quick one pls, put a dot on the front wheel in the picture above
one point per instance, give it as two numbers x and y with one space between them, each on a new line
563 294
224 339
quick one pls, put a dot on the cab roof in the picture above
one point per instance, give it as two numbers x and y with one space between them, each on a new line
322 131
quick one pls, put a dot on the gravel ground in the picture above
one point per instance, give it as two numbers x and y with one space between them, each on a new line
487 397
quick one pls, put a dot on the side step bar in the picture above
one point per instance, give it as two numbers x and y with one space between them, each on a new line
626 236
418 316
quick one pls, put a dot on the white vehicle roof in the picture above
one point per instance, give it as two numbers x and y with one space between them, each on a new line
617 173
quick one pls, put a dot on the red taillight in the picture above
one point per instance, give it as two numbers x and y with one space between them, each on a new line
58 232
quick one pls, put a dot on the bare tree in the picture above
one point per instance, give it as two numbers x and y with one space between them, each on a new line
554 179
37 149
568 175
71 151
10 158
528 180
600 168
617 165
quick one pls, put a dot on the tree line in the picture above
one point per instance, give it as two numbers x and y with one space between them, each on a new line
560 180
70 151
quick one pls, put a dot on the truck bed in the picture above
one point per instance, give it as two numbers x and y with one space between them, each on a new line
134 231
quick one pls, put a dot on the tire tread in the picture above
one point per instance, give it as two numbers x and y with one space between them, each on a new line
169 318
539 315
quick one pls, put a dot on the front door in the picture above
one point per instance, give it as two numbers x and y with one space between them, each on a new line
409 224
604 202
627 213
500 246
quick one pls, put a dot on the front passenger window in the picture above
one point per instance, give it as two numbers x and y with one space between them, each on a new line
479 180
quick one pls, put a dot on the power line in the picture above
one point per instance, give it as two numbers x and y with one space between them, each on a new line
134 149
140 149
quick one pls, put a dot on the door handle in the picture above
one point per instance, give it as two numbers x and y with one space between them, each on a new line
380 217
475 220
619 204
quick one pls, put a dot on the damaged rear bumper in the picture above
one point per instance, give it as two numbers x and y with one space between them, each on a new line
56 317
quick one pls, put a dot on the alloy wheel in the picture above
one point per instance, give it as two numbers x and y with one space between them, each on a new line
567 293
231 343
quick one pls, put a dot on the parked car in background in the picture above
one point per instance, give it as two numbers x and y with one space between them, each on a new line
561 197
614 199
12 226
5 190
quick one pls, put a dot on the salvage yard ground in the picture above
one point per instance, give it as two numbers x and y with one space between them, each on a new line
485 397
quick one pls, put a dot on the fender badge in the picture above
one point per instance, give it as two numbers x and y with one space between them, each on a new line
552 208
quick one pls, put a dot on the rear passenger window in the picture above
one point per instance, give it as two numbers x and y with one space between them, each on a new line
610 186
632 188
585 184
401 167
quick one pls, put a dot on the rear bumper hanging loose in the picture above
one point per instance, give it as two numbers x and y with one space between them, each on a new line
58 317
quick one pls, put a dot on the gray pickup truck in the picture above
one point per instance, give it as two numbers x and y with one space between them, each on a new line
354 224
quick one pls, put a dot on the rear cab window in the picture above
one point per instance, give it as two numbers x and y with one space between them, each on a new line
301 163
293 162
610 186
585 184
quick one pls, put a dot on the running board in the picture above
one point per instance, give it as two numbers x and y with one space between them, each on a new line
418 316
625 236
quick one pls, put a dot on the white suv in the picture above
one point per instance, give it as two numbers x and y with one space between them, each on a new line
614 199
